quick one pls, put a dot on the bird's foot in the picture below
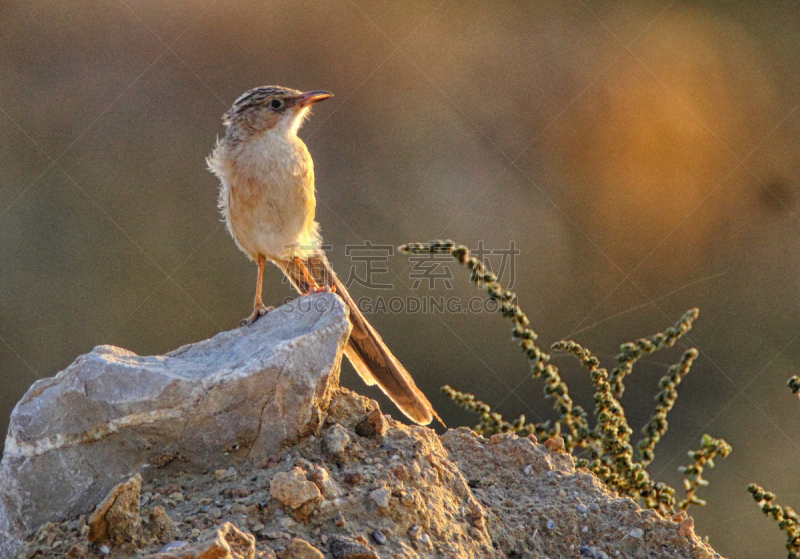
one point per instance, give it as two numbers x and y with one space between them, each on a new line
321 289
258 312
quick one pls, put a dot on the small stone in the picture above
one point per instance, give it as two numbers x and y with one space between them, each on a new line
339 520
362 540
173 545
373 426
322 479
225 474
555 444
594 507
414 531
585 529
117 518
583 509
104 549
381 497
379 537
346 548
425 538
177 497
50 538
593 553
337 440
293 489
300 549
528 470
636 533
550 525
162 527
353 478
78 551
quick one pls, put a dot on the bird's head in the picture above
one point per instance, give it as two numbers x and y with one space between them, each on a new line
271 107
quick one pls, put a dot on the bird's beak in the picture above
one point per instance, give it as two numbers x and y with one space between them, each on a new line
310 97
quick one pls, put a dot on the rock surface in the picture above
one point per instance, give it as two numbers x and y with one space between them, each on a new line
456 496
293 467
207 405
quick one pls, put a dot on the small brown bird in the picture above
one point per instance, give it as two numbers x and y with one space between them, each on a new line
267 198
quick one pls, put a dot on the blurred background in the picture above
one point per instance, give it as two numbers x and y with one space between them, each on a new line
643 157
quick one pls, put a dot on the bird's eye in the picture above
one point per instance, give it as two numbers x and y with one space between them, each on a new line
276 104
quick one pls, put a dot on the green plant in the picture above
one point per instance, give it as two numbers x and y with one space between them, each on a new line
785 516
605 448
701 459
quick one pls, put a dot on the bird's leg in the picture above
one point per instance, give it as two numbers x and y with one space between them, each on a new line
259 308
313 286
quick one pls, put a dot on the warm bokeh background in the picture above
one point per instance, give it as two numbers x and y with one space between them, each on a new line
644 156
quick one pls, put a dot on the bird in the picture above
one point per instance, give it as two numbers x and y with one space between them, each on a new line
267 199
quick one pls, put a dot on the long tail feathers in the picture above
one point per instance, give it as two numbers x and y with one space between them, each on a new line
365 349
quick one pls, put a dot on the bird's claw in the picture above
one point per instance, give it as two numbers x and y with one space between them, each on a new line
258 312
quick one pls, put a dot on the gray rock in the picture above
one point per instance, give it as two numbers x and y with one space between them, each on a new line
113 413
381 496
346 548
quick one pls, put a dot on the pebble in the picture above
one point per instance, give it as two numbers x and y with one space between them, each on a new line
414 531
293 489
337 440
425 538
583 509
177 497
173 545
594 507
339 520
528 470
379 537
381 496
225 474
550 525
593 553
637 533
551 473
104 549
353 478
585 529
